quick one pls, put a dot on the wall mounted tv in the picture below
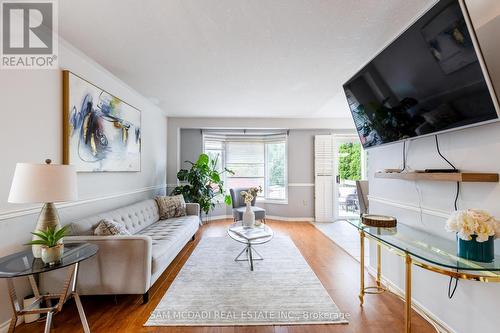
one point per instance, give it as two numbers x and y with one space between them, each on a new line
429 80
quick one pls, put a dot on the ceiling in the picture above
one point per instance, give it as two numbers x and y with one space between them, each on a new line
236 58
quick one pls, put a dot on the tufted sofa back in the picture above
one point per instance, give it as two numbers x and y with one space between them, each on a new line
134 217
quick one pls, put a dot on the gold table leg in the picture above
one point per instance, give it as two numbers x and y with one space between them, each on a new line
14 302
379 265
69 290
78 302
408 294
34 286
361 267
48 322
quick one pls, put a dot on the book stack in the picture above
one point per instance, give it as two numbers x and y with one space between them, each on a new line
251 233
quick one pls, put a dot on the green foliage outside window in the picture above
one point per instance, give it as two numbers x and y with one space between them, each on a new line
350 161
276 161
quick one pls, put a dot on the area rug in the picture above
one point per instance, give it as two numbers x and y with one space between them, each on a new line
214 290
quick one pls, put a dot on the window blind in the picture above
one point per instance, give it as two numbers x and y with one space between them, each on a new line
257 158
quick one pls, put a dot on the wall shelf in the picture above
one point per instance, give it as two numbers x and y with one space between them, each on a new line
441 176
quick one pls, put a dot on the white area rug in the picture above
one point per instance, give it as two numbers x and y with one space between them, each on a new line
214 290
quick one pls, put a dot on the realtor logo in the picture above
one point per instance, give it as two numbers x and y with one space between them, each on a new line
29 34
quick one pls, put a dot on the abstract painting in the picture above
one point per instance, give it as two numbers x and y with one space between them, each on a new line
450 44
101 132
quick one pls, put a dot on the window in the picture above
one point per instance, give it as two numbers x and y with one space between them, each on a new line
247 160
276 170
215 149
257 160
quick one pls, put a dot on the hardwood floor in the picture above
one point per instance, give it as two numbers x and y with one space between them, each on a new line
338 272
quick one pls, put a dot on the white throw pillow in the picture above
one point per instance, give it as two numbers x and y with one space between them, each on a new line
107 227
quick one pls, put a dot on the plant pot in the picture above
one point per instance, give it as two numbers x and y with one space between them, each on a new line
52 255
476 251
249 217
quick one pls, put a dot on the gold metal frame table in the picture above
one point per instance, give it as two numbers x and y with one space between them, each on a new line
24 264
421 249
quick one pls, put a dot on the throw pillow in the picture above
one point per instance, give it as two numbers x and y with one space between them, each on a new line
173 206
107 227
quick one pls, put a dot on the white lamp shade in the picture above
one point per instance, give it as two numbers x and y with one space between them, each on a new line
40 183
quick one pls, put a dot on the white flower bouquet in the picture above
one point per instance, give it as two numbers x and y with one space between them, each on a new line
469 222
250 194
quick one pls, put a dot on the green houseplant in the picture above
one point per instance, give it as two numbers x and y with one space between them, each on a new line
203 183
50 241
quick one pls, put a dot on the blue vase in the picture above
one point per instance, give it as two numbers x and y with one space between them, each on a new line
476 251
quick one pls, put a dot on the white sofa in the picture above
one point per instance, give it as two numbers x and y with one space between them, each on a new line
128 264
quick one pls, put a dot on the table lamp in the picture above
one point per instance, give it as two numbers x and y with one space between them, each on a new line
43 183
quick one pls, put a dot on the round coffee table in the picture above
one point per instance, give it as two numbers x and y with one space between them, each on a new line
249 249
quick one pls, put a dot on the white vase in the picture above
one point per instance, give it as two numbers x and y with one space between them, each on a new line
52 255
249 217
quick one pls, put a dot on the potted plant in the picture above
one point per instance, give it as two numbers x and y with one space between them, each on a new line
203 183
51 244
476 231
249 195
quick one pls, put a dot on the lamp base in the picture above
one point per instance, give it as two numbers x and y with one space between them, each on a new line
48 218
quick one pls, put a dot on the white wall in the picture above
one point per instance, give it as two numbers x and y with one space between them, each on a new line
31 113
475 305
185 143
474 308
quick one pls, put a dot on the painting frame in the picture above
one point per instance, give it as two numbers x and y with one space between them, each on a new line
68 130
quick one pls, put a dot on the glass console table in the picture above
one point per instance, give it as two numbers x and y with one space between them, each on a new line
422 249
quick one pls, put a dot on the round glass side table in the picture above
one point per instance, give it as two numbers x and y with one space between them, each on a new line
24 264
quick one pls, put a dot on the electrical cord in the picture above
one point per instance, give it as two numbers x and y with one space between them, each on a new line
455 202
456 196
451 291
439 152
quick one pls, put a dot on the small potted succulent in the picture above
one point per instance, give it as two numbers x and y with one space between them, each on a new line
51 244
476 231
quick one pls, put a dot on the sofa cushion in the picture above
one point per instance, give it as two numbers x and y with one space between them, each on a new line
134 217
109 227
172 206
169 236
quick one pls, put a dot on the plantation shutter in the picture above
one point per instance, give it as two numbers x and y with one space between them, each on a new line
324 178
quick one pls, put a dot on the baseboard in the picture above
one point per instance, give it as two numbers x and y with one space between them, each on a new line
4 327
216 217
270 217
290 219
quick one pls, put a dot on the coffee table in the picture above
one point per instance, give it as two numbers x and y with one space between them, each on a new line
249 249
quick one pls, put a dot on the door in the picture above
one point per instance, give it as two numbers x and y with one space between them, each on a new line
349 167
323 178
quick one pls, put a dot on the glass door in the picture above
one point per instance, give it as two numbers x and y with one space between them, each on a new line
349 165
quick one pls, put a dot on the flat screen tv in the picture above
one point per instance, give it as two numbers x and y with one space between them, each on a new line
429 80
